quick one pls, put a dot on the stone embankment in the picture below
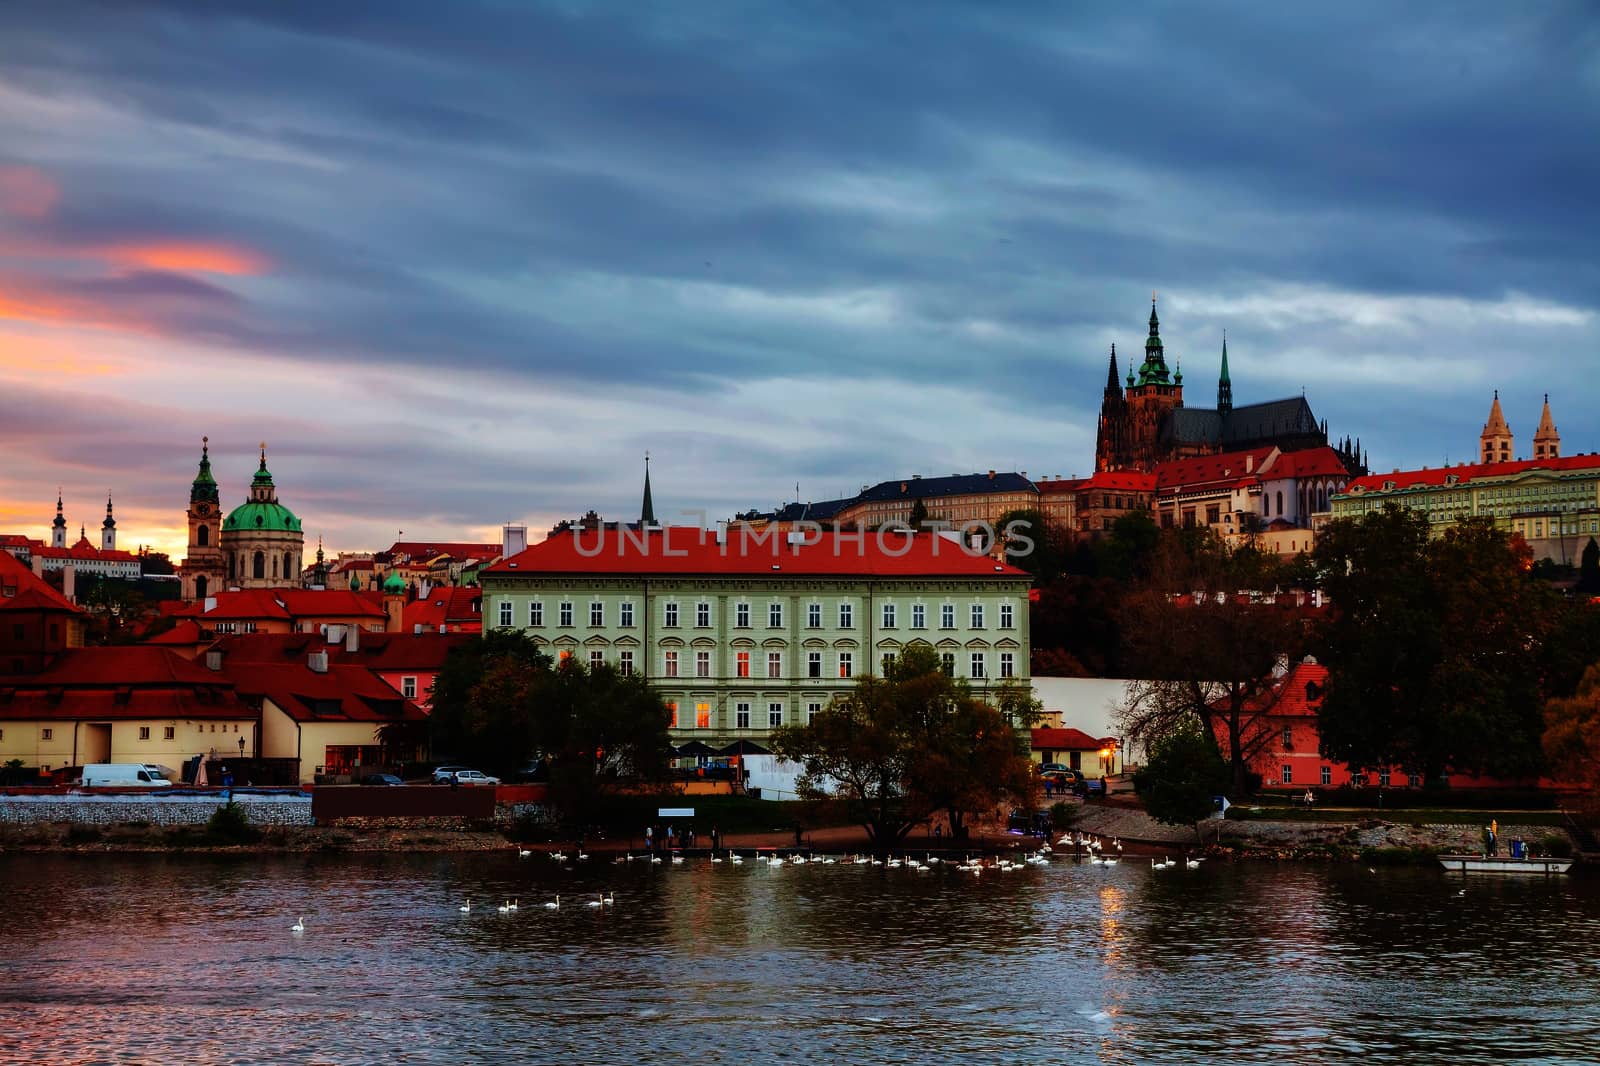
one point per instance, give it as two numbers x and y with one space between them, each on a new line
269 810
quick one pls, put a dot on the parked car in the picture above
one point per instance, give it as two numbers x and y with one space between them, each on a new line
122 775
1053 767
461 775
441 774
381 779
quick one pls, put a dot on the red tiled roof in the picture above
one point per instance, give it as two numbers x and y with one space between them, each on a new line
1123 480
1066 740
1307 462
137 681
342 693
186 632
284 603
1060 486
131 664
445 605
1465 472
689 550
455 549
86 551
28 591
1205 470
1289 697
374 651
314 603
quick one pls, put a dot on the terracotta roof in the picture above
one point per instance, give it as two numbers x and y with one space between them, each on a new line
284 603
1226 468
27 590
342 693
312 603
374 651
429 549
1290 696
87 552
1122 480
131 664
690 550
1067 740
135 682
444 605
1061 486
185 632
1466 472
1308 462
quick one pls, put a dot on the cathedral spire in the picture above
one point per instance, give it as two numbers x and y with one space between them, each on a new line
1495 442
1224 383
1546 441
1113 387
647 510
1154 370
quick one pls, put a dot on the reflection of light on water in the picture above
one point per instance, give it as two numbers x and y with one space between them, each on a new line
1112 903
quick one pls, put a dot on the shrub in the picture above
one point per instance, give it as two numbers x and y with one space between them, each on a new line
1062 815
1556 844
231 825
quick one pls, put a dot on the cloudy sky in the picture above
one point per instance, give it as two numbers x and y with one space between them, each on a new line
458 264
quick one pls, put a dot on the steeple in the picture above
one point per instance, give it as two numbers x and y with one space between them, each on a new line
204 488
1546 441
1495 442
108 529
1224 383
1154 370
647 509
1112 388
58 528
262 490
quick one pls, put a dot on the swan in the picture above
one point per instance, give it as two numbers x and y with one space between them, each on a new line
1110 862
677 860
523 853
504 908
655 860
715 858
598 901
465 908
299 926
558 856
1192 863
582 856
610 899
736 858
515 903
553 906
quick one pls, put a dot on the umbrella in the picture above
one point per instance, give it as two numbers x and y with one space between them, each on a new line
695 747
744 747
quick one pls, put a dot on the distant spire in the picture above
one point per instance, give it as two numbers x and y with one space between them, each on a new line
61 521
647 510
1154 370
110 522
1546 441
1112 388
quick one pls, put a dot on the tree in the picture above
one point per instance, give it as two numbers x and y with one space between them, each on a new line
1034 544
1589 570
1435 649
1180 777
919 515
896 749
1572 735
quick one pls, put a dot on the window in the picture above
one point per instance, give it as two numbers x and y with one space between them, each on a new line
775 664
169 732
888 616
846 616
702 664
625 614
702 615
977 616
1008 664
947 616
741 615
144 732
625 663
18 631
702 716
669 664
1288 775
1006 621
741 716
947 662
812 710
919 616
50 734
672 712
1327 775
566 614
408 687
1414 780
774 715
203 536
260 565
775 615
563 655
536 613
1288 738
1213 514
597 614
505 613
597 658
1383 778
977 664
888 663
844 664
814 664
670 616
813 616
742 664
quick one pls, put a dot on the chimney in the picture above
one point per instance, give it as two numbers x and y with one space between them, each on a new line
211 604
991 475
333 634
1249 464
416 628
214 660
318 662
352 639
69 583
513 540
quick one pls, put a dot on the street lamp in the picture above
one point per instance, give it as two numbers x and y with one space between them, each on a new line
241 746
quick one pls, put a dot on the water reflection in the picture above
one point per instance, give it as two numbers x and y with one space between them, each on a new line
150 958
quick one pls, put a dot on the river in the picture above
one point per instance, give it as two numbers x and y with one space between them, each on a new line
129 958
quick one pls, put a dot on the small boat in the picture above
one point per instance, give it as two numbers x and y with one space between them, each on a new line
1504 864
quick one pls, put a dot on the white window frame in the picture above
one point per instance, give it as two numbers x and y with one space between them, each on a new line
814 664
847 665
597 613
813 616
847 616
976 616
947 616
976 665
564 618
741 616
669 663
702 664
535 614
1008 616
505 614
919 616
625 614
741 664
702 615
408 687
741 715
669 614
774 664
625 663
888 616
775 615
1008 664
774 715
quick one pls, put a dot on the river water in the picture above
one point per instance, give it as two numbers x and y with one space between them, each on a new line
107 958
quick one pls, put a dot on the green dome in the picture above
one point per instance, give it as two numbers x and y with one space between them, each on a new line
394 582
262 518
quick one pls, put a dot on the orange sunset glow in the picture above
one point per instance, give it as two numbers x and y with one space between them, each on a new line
183 256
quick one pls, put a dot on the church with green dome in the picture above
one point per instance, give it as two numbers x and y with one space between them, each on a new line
259 544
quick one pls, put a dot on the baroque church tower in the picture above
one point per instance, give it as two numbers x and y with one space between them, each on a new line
201 570
108 530
1495 442
1546 441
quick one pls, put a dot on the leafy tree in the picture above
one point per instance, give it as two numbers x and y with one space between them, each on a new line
1589 570
1435 649
897 748
1181 775
1572 735
1127 553
1034 544
1074 620
919 514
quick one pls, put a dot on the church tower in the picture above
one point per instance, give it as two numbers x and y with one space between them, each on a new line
647 507
1111 436
1494 443
1546 441
58 528
108 530
201 569
1156 393
1224 383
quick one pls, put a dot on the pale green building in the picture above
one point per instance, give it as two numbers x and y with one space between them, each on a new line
749 632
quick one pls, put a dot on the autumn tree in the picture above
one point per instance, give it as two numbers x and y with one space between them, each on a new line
1572 735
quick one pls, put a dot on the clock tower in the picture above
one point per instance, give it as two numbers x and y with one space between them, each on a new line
202 569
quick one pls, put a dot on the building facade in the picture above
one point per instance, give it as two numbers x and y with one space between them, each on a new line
257 545
748 633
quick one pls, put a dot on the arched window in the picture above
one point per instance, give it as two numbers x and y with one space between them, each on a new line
202 536
288 568
230 566
274 568
200 587
1280 505
261 565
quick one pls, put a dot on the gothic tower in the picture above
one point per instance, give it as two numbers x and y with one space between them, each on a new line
1224 383
1546 441
1149 401
108 530
1494 443
1111 436
647 507
201 569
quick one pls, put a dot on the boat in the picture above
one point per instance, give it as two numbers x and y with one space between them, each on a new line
1504 864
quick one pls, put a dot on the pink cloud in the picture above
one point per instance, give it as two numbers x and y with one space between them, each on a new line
211 257
27 192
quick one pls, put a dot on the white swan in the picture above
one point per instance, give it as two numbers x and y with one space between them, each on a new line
736 858
582 856
465 908
523 853
515 903
598 901
1192 863
558 856
677 860
655 860
504 908
610 900
553 906
299 926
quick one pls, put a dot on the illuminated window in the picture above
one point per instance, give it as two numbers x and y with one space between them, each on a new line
672 714
702 716
742 664
845 664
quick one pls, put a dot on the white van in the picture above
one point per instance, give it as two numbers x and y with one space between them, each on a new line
123 775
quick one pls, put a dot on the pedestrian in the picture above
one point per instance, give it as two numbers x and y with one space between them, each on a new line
1310 799
716 838
672 836
938 830
455 780
649 839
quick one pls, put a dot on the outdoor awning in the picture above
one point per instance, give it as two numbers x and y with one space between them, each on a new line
744 747
695 747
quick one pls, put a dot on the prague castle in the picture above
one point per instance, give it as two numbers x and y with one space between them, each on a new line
258 544
1144 422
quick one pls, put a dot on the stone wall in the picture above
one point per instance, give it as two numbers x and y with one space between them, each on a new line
279 810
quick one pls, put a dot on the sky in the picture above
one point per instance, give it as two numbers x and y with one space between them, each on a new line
459 264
